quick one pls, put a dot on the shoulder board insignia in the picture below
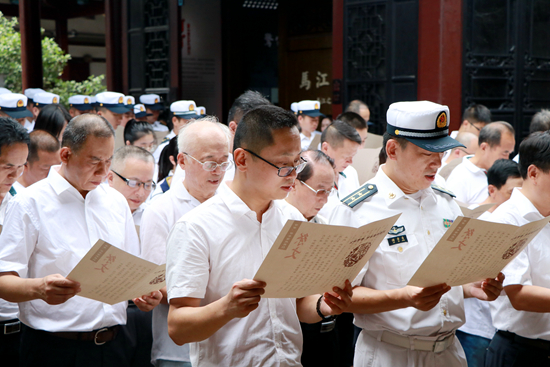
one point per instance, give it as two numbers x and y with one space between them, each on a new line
164 140
12 191
443 190
362 193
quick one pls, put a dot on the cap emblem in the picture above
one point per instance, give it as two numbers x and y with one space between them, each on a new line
86 100
129 101
156 100
141 108
316 106
191 107
441 121
54 100
121 100
20 103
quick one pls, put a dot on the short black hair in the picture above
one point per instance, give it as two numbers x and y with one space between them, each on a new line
41 141
12 133
135 130
244 103
387 137
500 171
337 132
492 133
535 150
52 118
165 165
354 119
540 121
312 157
82 126
255 131
477 113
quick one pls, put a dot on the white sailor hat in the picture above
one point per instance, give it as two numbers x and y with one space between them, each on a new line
201 110
4 91
14 105
184 109
139 111
81 102
112 101
130 101
44 98
30 92
151 101
423 123
309 108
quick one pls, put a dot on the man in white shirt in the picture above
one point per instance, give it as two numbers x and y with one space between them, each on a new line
131 174
14 141
208 141
48 229
404 325
476 334
340 141
153 107
215 249
30 121
182 113
522 313
244 103
43 154
468 181
308 113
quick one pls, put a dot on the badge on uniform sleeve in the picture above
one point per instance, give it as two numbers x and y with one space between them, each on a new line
447 222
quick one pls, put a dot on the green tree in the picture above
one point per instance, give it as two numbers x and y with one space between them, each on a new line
54 61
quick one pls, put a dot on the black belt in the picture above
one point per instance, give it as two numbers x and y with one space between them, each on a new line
10 326
99 337
536 343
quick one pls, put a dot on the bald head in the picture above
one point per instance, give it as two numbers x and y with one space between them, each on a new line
469 140
202 132
84 126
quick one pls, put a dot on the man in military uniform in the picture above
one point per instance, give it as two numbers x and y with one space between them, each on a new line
404 325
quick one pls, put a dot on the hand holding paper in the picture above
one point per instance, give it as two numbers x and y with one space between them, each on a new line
111 275
309 258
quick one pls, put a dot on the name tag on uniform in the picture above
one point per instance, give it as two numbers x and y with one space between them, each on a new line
397 240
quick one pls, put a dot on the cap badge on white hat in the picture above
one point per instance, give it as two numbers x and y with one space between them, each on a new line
20 103
121 100
54 100
86 100
441 121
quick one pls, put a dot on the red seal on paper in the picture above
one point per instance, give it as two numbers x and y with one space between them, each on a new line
159 279
514 249
356 254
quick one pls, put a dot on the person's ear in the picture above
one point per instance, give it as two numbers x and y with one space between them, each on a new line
392 148
241 159
128 142
492 190
110 177
232 127
174 120
533 173
65 154
324 147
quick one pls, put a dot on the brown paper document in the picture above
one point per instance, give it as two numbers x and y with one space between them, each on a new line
314 145
366 163
119 138
309 258
473 250
111 275
475 213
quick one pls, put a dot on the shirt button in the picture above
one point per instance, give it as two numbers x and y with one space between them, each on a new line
400 249
445 312
278 345
391 195
421 208
428 232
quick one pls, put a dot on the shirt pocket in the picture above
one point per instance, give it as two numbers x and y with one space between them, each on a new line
400 258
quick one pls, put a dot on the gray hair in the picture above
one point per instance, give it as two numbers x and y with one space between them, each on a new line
186 139
356 105
540 121
83 126
130 151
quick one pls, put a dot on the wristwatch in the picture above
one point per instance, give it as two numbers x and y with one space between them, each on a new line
328 322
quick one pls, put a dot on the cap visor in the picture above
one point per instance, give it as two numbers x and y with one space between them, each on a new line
187 116
314 114
439 145
154 107
117 109
19 114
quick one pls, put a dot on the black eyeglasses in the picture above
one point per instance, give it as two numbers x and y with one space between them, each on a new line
148 186
282 171
318 193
